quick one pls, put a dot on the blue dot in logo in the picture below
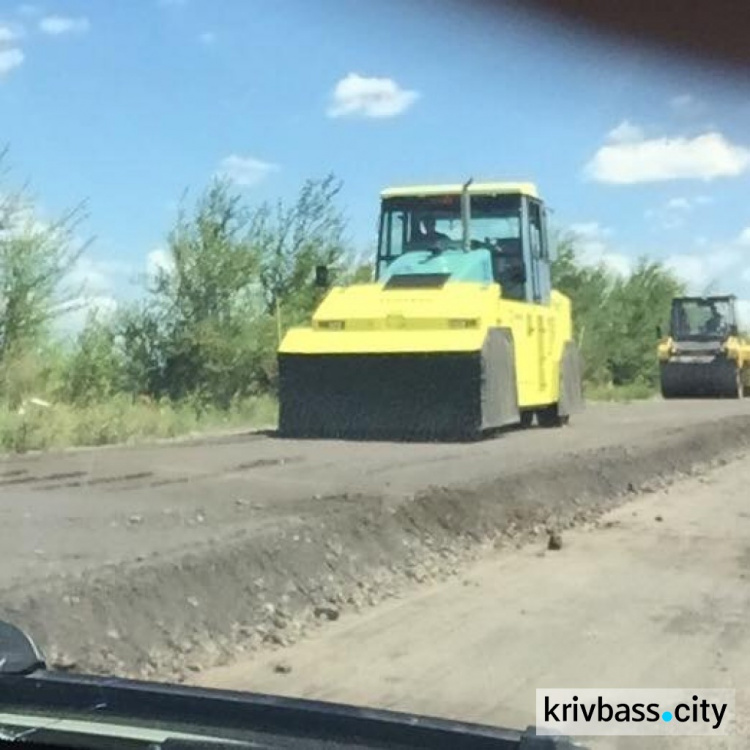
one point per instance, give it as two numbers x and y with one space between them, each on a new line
667 716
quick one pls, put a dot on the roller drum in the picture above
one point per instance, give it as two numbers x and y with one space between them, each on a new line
417 396
718 378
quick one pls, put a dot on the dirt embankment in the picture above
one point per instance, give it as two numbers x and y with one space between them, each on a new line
666 598
172 614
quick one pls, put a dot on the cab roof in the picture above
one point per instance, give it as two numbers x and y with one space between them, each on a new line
476 188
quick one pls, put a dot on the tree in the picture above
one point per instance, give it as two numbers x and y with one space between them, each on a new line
213 260
143 343
636 306
36 257
615 317
197 334
95 368
589 288
293 240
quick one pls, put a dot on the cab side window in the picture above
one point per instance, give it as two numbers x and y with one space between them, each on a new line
393 238
535 230
539 255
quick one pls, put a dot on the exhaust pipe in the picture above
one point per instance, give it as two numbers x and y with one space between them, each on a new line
466 214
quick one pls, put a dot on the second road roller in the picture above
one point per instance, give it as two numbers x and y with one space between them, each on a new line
460 332
704 353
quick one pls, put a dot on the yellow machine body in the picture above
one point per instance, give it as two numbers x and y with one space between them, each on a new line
438 349
704 353
361 319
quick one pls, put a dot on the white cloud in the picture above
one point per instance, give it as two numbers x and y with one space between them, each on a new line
207 38
672 214
20 216
97 277
89 274
704 157
618 263
744 237
743 314
703 271
679 204
94 281
593 248
688 204
625 132
360 96
590 230
686 104
71 317
9 59
690 268
159 260
667 217
59 25
9 34
246 170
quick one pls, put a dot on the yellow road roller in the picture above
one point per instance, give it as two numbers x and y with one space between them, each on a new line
704 354
459 334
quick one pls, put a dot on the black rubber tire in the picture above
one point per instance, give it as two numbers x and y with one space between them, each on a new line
527 419
571 391
551 417
740 387
571 398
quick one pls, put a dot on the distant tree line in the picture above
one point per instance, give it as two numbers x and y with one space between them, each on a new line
616 315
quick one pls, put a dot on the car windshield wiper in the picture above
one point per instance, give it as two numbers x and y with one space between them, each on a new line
72 710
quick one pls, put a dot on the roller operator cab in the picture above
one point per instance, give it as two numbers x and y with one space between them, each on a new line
704 353
460 332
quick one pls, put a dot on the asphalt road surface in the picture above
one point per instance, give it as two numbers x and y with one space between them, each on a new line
656 594
77 510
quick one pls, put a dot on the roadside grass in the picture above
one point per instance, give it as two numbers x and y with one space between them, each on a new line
620 393
122 419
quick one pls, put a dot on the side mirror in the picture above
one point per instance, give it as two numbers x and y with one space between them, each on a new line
321 277
659 333
734 330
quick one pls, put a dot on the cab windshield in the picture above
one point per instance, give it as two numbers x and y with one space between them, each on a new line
434 224
425 223
701 318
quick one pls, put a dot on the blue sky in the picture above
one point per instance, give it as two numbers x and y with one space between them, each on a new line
127 104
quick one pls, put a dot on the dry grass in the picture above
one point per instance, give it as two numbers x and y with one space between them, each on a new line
121 420
621 393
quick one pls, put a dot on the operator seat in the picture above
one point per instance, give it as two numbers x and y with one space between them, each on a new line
509 269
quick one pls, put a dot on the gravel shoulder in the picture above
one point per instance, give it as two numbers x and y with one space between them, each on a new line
655 594
72 511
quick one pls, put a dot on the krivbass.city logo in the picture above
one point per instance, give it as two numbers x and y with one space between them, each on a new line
624 711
